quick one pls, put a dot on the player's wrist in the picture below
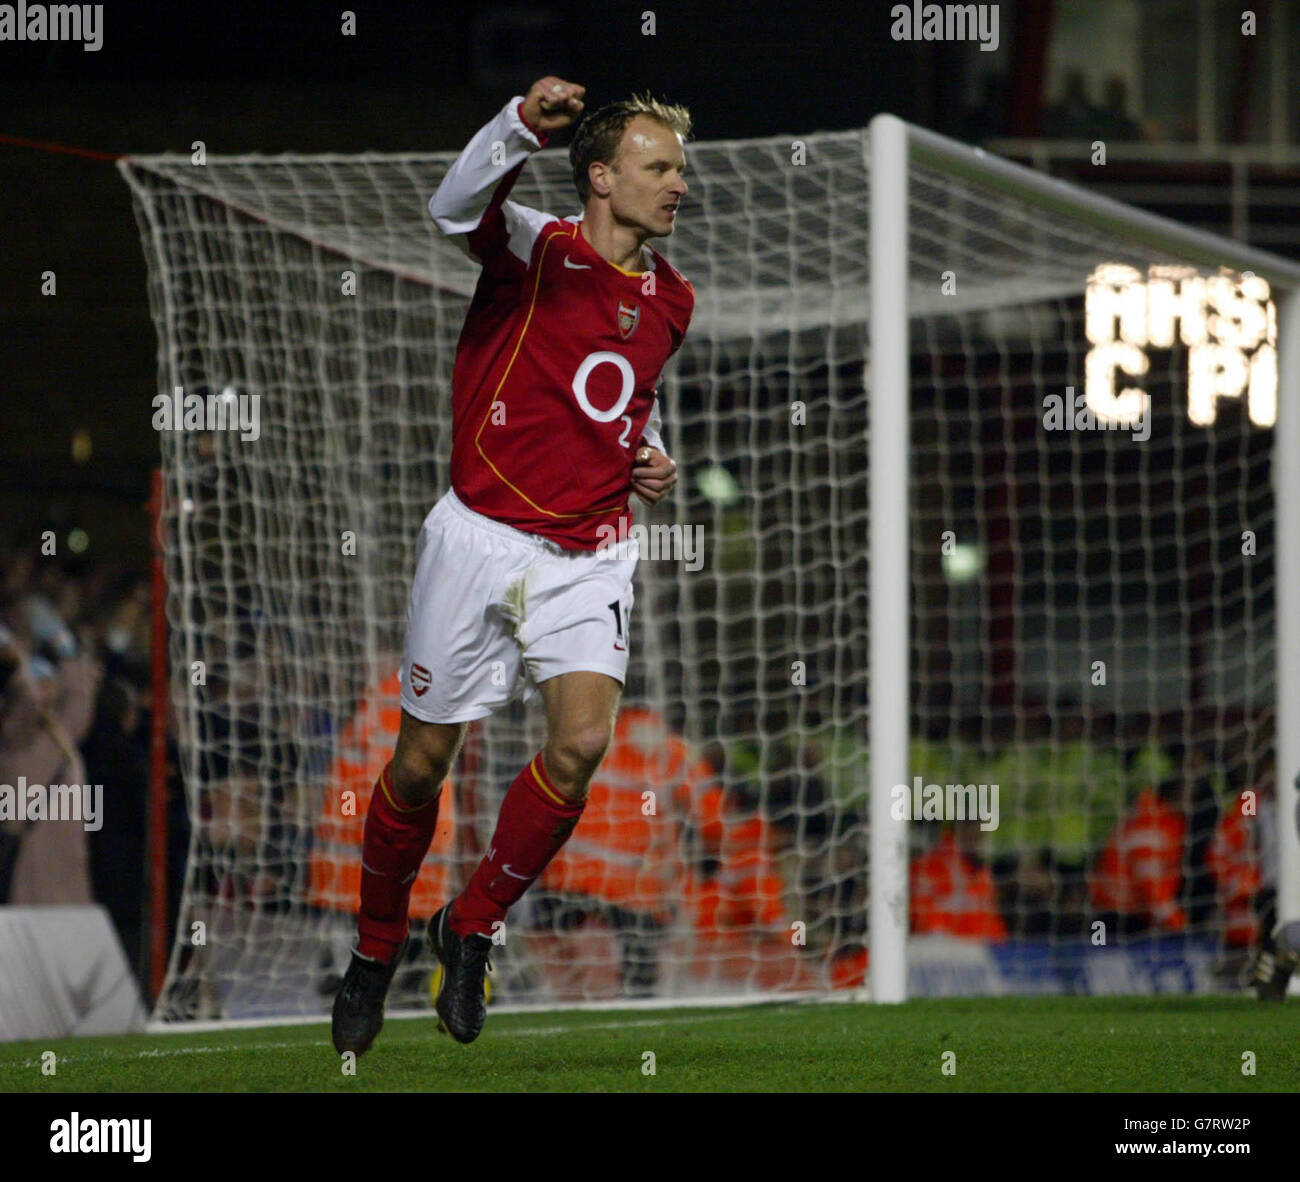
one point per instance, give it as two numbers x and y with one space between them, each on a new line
540 135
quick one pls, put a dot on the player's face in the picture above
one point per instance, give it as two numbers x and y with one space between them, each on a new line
647 182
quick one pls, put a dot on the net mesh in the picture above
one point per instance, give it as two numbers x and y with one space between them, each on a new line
321 285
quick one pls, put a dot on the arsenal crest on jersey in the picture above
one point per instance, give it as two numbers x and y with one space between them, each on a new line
629 315
420 680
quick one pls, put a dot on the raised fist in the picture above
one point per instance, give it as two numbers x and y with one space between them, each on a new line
552 103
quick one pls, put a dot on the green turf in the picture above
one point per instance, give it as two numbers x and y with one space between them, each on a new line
1149 1044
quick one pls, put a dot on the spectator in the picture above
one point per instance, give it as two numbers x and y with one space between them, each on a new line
1198 801
47 711
1233 860
624 859
51 611
987 119
1073 116
1028 884
116 759
952 889
1115 122
123 619
1062 793
11 664
1136 882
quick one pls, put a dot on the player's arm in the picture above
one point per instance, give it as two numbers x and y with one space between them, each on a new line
654 472
470 204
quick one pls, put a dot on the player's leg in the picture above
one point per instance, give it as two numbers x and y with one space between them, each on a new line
581 709
539 811
399 829
1279 951
572 633
455 643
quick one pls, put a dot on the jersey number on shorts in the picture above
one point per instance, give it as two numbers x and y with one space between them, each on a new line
617 609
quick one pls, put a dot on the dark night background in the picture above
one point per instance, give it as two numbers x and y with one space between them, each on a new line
249 77
281 77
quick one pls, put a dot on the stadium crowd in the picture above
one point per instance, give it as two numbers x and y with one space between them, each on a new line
74 707
1157 842
1149 843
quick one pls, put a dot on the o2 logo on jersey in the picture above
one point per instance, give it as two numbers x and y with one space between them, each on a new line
624 367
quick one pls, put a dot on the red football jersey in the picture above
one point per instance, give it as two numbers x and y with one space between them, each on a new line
554 382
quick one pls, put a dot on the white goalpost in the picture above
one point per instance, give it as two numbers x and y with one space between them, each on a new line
897 277
905 572
888 530
1287 494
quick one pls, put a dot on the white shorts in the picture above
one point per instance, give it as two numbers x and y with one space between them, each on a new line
495 611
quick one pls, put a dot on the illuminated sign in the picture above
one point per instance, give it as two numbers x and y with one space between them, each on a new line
1227 322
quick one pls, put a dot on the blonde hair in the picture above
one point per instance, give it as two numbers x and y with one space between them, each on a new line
599 135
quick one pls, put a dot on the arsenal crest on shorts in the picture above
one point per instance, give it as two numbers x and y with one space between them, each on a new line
420 680
628 317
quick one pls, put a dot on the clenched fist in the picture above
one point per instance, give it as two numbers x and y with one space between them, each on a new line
653 474
552 103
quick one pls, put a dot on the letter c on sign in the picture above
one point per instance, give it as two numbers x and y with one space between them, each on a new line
580 385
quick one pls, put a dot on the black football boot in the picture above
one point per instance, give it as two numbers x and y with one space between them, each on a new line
359 1003
461 1003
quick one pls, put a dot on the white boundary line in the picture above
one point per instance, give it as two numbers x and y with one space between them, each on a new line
113 1054
840 996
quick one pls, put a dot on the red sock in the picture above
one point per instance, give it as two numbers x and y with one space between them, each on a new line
396 840
535 822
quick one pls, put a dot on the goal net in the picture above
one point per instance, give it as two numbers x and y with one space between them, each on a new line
1091 631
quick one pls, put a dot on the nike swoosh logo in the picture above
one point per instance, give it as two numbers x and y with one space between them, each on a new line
576 266
522 877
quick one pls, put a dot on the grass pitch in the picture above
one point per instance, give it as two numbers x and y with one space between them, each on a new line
1138 1044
